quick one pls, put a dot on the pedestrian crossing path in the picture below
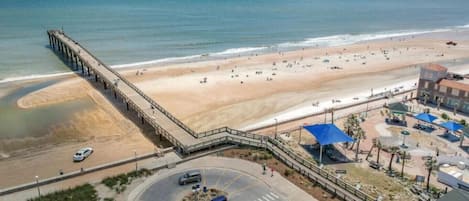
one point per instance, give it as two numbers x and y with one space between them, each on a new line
268 197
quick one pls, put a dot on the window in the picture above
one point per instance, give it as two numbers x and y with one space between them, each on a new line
452 102
455 92
442 89
428 75
465 107
435 86
426 85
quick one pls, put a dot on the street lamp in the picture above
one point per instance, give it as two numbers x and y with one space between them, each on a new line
37 185
325 115
276 125
366 110
299 139
136 167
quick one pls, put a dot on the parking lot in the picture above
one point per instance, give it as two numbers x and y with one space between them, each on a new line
239 186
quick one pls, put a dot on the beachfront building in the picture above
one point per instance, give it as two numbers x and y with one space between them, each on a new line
438 86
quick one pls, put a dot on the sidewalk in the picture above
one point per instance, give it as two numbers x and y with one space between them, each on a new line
94 177
277 183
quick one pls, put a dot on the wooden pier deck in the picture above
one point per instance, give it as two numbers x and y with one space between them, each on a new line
180 135
148 110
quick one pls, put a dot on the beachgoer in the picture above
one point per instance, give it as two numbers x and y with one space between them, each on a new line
263 168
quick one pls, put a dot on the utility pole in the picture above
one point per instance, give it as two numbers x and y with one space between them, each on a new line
276 127
37 185
136 167
325 115
366 111
403 163
299 140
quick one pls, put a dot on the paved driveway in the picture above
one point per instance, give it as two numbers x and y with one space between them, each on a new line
239 186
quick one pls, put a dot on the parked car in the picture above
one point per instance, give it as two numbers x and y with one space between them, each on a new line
82 154
190 177
220 198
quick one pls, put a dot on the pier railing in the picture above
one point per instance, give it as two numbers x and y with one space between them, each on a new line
281 151
140 92
232 136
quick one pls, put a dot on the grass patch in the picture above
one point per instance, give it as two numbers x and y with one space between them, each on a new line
376 183
120 181
79 193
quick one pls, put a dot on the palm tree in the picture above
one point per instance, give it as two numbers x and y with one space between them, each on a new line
379 146
430 164
358 136
403 157
352 127
438 103
455 109
374 141
425 99
393 151
462 139
348 127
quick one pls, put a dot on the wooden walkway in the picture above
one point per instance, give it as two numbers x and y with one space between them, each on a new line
180 135
147 109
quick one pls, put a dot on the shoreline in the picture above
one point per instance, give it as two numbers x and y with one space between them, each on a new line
232 53
294 69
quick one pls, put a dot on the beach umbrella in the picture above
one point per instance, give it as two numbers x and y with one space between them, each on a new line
452 126
426 117
404 133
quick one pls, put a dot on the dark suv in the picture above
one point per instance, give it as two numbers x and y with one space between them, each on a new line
190 177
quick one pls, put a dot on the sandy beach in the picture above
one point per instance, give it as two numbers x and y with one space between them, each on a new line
235 92
256 86
240 91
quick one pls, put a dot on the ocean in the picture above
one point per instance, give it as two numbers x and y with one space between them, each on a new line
127 33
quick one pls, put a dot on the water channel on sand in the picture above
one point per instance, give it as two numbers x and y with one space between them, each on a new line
17 123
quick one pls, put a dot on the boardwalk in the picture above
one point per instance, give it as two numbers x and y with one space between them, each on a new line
149 111
180 135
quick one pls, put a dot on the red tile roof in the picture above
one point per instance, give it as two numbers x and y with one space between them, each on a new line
435 67
454 84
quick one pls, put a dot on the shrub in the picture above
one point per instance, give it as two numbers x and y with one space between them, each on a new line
124 179
288 172
444 116
463 122
83 192
109 181
255 157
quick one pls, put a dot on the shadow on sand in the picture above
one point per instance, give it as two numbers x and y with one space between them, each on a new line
450 137
147 130
330 155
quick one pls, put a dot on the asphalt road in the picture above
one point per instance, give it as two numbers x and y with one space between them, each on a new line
239 186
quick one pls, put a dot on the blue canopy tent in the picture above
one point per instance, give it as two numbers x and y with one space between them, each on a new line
426 117
327 134
452 126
